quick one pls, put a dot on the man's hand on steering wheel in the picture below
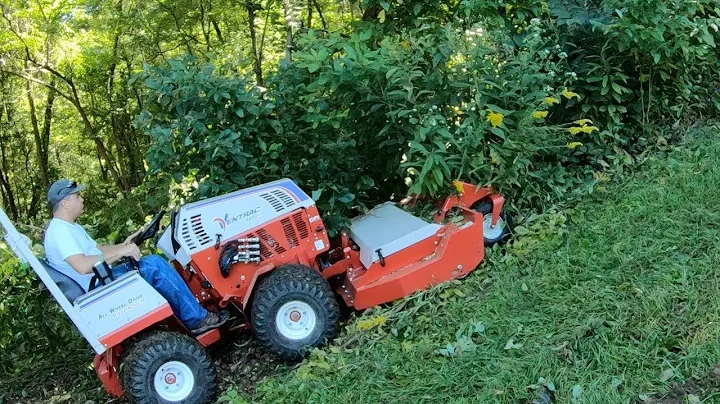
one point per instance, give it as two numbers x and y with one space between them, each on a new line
132 243
131 250
131 255
130 238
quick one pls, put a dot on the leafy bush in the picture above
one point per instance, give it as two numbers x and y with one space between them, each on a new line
538 99
34 328
213 133
641 63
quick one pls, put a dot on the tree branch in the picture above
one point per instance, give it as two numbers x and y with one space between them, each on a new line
38 81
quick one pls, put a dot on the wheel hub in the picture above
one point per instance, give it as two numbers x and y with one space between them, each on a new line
295 320
492 232
174 381
170 378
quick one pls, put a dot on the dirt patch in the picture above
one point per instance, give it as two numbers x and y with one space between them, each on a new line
242 362
677 393
696 387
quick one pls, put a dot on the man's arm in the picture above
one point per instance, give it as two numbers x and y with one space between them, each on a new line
84 263
113 253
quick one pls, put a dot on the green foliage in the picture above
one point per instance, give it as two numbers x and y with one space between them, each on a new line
207 127
641 63
34 328
213 133
372 115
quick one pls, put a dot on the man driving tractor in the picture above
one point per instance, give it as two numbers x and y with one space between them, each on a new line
271 261
70 250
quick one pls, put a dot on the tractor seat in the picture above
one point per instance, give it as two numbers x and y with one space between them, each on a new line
71 289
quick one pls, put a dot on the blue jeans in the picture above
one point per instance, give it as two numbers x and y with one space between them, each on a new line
165 279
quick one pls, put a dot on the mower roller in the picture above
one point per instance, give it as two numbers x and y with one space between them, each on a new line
264 254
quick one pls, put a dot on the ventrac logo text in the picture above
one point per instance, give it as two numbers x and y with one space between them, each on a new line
246 216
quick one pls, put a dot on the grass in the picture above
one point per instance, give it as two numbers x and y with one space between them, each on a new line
611 302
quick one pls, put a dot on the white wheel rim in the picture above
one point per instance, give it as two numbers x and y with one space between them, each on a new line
174 381
490 232
295 320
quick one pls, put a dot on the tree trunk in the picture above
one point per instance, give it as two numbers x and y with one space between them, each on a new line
288 45
47 122
257 57
43 150
289 21
101 148
205 31
39 150
128 66
217 29
310 13
126 151
320 13
265 27
8 196
31 208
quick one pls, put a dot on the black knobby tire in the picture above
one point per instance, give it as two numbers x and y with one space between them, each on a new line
486 208
145 360
294 287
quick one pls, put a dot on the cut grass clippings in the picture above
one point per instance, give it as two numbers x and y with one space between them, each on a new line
611 302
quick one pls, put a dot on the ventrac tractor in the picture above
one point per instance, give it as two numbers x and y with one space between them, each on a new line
264 254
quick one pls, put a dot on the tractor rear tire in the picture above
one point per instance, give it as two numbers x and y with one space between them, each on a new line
293 311
168 367
493 235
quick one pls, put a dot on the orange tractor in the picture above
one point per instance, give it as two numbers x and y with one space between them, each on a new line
264 253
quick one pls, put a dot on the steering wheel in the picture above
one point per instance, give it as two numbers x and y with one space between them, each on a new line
149 232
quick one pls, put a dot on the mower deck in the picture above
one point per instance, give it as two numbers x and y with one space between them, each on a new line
417 261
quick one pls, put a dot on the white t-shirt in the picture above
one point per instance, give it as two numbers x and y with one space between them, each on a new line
64 239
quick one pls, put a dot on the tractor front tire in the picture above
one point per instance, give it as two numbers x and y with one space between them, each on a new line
493 235
293 311
168 367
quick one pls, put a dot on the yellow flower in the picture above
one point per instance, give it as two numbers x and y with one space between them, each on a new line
569 94
365 325
583 122
495 118
539 114
459 186
585 129
551 100
573 145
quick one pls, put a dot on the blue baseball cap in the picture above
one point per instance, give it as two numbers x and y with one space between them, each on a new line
62 188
